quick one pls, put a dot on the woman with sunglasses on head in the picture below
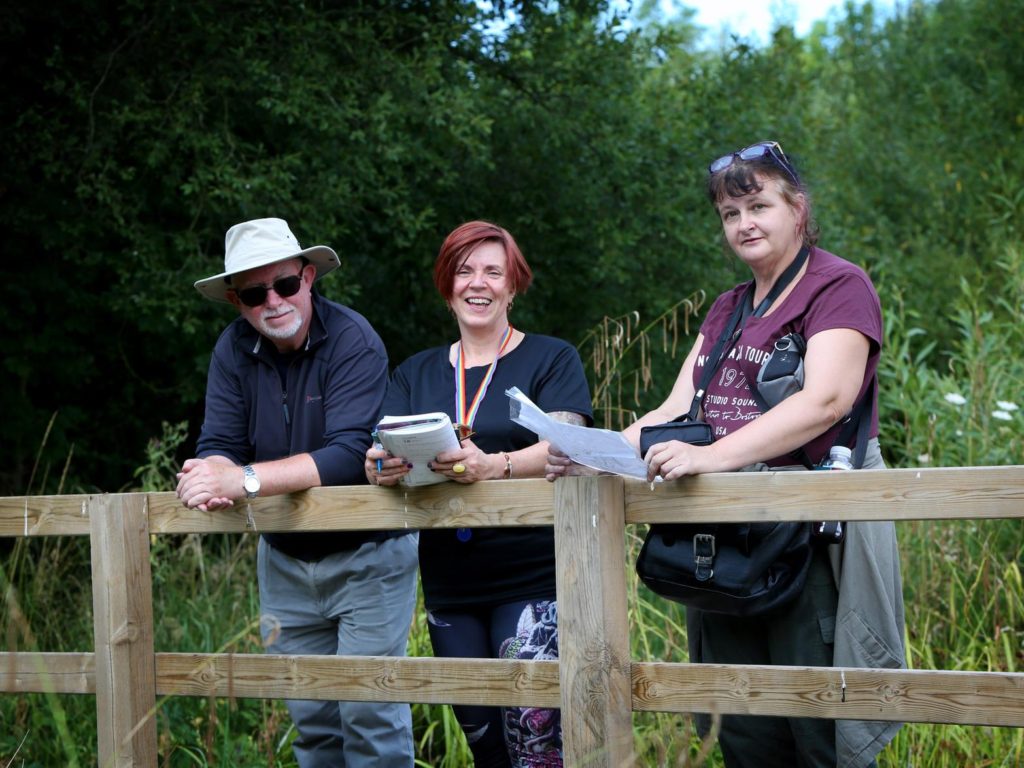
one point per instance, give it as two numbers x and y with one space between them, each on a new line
489 592
849 611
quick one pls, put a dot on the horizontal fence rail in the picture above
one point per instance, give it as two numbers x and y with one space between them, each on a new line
881 494
595 682
924 696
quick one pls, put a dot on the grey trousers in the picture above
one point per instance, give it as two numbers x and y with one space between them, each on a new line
357 602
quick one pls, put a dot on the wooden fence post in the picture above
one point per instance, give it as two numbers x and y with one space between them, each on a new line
594 656
122 600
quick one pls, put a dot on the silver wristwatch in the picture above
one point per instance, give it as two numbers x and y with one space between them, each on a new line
251 483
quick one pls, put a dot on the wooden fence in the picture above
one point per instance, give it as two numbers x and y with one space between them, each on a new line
595 682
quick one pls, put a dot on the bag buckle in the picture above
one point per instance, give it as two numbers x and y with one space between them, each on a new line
703 556
831 532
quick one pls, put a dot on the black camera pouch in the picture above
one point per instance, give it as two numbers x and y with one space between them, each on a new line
682 429
782 374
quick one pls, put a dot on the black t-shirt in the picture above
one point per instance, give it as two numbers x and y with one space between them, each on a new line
495 565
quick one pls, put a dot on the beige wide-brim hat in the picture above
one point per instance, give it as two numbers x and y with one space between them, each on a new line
257 243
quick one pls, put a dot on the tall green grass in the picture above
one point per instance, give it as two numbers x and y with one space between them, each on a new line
962 579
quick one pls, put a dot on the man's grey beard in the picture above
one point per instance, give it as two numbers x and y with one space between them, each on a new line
285 332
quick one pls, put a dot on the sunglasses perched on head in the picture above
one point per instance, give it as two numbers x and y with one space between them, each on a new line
255 295
756 152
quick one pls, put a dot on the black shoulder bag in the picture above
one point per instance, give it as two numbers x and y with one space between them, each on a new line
741 569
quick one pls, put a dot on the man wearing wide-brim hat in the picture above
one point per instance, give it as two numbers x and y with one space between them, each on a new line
294 388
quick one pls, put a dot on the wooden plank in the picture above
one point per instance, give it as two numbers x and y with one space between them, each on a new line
883 494
44 516
495 682
28 672
923 696
490 682
593 634
363 507
123 627
905 494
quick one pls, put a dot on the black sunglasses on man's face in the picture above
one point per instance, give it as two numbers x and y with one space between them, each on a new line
255 295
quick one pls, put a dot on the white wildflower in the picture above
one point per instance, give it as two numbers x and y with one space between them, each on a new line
955 398
1005 405
1002 416
924 458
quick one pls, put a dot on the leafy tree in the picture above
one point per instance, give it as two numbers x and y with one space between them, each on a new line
132 148
371 126
136 134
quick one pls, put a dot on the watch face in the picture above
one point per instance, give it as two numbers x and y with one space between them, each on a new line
250 482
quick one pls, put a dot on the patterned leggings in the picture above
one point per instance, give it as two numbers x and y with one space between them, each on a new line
521 737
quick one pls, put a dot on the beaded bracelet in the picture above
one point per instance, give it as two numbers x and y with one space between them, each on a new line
508 466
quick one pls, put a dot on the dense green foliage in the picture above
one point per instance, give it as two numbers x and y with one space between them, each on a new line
377 127
136 133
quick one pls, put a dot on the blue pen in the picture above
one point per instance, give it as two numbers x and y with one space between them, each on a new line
377 444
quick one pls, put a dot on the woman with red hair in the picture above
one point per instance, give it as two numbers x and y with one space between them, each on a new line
489 592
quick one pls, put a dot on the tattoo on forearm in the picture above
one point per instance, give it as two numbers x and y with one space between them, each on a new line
568 417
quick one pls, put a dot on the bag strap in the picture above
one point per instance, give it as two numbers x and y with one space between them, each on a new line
737 320
859 421
718 351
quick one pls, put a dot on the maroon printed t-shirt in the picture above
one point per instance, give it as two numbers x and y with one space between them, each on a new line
833 293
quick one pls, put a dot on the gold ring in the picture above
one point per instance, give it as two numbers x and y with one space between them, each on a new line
458 469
